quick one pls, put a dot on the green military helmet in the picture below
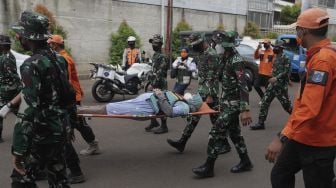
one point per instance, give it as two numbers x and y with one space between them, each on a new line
228 39
195 39
32 26
5 39
156 39
194 100
279 43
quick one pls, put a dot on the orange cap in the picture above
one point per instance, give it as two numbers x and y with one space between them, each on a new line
312 18
58 39
268 41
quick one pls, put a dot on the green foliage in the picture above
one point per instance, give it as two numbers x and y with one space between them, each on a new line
272 35
176 44
333 38
119 42
54 28
252 29
289 14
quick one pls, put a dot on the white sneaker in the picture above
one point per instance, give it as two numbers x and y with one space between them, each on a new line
93 149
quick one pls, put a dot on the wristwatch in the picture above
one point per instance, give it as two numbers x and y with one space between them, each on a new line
283 138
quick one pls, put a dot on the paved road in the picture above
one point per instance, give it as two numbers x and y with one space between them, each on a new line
133 158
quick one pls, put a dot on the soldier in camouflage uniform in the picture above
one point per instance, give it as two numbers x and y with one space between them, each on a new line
10 83
278 86
41 127
208 87
159 79
234 103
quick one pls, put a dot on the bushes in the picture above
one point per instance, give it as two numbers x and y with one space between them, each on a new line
54 28
119 42
176 46
252 29
289 14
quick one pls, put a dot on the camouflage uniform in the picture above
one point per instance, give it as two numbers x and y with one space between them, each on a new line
234 100
10 83
208 72
159 79
279 89
41 127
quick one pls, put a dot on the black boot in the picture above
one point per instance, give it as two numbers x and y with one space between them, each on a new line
259 126
206 170
163 128
245 164
152 124
1 140
76 175
178 144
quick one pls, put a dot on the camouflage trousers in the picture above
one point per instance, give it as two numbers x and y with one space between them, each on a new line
280 92
227 124
192 122
50 156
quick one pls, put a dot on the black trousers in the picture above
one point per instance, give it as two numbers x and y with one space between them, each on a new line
82 126
316 163
261 80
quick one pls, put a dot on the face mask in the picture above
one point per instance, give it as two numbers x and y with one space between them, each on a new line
131 44
23 45
156 48
276 50
187 96
266 46
299 41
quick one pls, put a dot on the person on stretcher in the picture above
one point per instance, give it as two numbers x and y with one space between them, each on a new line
166 102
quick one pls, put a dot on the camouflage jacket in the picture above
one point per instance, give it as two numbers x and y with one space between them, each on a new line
40 119
234 86
281 69
208 72
160 68
10 82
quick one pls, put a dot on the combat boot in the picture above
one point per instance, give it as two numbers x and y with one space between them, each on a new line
93 149
163 128
206 170
178 144
245 164
152 125
259 126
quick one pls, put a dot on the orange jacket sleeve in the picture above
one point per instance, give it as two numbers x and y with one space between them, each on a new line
312 97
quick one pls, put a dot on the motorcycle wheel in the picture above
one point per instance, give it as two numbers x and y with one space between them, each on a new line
101 92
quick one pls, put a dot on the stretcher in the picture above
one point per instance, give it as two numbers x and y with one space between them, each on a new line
205 109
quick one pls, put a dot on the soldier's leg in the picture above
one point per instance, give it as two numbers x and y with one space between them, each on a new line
163 128
283 98
239 143
72 162
179 144
153 123
264 106
87 133
213 118
257 86
56 166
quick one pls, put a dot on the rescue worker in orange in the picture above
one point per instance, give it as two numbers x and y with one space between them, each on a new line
308 141
57 43
131 54
266 57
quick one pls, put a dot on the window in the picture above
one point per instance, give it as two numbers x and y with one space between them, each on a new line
260 18
327 3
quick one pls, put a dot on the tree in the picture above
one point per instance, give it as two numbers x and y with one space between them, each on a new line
181 26
289 14
252 29
119 42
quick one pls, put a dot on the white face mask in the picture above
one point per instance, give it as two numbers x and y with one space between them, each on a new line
187 96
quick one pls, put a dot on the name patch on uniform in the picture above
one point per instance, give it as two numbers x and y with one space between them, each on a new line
318 77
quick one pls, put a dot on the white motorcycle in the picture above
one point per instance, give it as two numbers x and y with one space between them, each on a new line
113 80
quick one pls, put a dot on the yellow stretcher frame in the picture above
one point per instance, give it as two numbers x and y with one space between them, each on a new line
205 109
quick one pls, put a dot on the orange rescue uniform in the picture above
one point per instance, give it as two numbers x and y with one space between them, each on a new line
132 56
72 74
313 120
266 61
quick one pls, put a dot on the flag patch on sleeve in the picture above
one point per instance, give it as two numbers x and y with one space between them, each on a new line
318 77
